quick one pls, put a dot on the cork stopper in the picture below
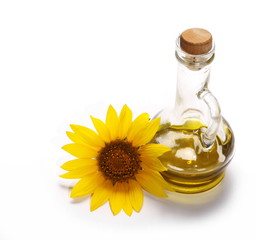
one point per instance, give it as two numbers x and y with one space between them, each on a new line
196 41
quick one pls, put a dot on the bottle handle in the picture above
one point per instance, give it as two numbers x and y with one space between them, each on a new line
209 136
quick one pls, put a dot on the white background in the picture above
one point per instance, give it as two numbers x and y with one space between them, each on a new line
61 61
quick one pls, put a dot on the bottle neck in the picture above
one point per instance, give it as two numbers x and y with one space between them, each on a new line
192 80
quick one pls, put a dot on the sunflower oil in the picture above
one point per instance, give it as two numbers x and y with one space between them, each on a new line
192 167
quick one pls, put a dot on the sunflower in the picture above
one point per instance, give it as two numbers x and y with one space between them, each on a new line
117 163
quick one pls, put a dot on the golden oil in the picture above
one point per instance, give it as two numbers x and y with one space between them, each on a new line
193 168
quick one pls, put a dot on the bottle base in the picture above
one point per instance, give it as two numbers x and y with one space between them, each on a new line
200 199
191 185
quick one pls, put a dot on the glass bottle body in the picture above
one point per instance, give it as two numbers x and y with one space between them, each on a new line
201 140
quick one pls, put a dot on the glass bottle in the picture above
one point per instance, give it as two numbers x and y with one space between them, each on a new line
201 140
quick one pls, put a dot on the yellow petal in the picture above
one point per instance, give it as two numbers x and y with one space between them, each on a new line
118 198
102 129
87 135
159 179
135 195
101 195
87 185
112 122
146 134
136 126
149 154
152 163
228 137
153 150
80 172
151 182
128 209
80 150
125 121
77 163
75 138
189 125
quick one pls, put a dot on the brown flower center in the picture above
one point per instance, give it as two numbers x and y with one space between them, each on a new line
119 161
